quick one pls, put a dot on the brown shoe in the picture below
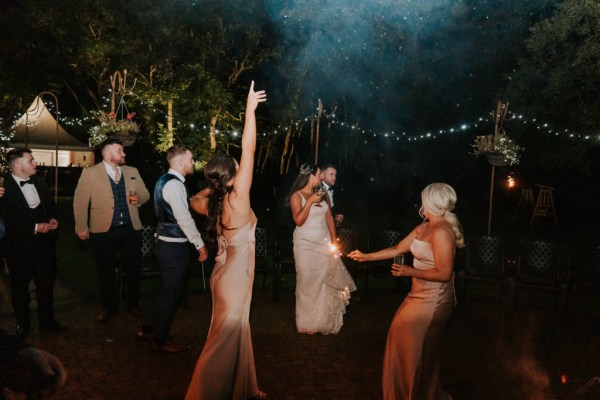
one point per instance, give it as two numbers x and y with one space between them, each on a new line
106 315
168 347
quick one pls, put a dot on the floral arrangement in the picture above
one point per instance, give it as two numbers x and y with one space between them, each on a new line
499 146
111 127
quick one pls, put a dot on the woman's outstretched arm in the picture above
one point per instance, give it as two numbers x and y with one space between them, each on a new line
402 247
243 178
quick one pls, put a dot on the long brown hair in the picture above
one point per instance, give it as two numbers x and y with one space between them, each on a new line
218 172
306 170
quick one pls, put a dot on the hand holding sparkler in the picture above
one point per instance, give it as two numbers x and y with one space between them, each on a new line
357 255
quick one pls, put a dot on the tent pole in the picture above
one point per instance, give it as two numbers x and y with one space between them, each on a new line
320 111
56 148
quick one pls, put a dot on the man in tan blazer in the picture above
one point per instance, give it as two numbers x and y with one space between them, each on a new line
105 205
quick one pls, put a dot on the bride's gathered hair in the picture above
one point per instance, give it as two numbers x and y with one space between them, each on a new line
218 171
440 199
306 170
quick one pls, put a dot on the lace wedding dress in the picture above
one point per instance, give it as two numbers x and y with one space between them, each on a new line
323 284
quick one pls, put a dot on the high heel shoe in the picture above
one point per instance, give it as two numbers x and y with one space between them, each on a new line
260 396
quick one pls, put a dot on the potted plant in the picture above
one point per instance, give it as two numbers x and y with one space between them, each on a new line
110 127
499 149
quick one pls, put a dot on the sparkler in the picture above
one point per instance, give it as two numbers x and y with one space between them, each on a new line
332 247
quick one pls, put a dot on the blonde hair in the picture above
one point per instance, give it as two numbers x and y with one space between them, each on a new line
440 199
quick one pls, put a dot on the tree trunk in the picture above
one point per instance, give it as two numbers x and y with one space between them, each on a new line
213 132
287 167
170 123
264 163
284 153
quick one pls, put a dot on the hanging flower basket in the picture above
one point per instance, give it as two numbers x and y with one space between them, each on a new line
499 149
128 139
110 127
496 159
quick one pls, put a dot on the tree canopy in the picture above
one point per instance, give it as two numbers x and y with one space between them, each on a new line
380 65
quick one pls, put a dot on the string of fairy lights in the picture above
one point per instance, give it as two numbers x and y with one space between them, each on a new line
86 122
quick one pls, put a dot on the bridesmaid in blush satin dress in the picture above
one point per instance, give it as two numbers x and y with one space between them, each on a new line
225 368
411 360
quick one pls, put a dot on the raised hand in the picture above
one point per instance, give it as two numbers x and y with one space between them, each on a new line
254 98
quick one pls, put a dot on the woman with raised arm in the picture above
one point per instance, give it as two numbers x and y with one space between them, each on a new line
225 368
411 359
323 284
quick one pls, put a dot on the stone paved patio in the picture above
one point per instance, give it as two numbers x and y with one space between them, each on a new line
488 353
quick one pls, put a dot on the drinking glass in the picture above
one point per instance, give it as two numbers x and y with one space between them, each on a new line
321 191
399 259
1 181
133 197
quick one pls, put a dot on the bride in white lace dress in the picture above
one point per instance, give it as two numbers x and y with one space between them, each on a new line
323 284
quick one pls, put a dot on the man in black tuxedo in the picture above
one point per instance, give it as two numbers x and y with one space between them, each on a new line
328 177
29 213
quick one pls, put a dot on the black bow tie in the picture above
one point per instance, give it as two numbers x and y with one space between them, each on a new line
23 183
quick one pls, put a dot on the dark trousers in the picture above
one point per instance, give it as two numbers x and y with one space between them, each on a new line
39 264
122 244
174 263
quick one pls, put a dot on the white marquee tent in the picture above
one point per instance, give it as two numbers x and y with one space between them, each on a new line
37 130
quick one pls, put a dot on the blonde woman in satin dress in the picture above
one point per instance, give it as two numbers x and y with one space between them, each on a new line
411 359
225 368
323 284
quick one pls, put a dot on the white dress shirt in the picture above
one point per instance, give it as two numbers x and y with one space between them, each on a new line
31 195
111 172
175 194
329 192
29 191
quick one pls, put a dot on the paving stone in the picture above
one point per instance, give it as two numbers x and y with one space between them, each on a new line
486 353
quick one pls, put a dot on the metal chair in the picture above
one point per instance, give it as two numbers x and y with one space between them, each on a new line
378 241
283 259
539 266
347 240
484 262
149 265
148 261
261 259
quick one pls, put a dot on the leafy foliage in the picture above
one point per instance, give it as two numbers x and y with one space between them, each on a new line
559 77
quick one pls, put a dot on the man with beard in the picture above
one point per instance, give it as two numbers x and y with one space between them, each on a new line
328 178
112 192
175 231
